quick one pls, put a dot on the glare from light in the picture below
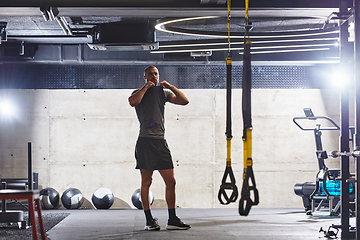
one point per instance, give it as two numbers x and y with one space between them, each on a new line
339 78
7 109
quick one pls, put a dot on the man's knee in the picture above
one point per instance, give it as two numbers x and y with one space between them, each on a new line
171 182
146 182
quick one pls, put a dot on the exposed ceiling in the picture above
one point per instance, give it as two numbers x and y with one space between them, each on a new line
109 30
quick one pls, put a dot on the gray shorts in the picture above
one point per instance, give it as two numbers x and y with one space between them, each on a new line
152 154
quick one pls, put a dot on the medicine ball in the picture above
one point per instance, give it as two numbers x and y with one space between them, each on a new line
136 198
72 198
103 198
49 198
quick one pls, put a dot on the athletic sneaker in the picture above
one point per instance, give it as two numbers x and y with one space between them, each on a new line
153 225
177 224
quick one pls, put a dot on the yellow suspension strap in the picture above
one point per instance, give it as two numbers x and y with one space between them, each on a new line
249 185
231 186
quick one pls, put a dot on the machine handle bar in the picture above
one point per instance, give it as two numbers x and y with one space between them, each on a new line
335 126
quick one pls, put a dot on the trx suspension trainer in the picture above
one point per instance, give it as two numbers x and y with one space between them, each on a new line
249 186
228 170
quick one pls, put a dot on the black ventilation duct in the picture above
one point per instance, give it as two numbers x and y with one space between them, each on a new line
125 32
125 35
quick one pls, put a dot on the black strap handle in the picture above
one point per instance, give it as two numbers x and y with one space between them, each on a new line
228 186
246 202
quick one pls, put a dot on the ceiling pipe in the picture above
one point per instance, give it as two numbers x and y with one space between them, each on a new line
53 13
64 25
45 13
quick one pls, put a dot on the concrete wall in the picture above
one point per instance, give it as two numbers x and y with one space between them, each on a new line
85 139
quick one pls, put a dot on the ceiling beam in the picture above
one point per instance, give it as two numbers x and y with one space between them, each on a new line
172 3
169 12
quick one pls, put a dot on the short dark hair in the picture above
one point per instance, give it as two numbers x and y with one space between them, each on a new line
147 68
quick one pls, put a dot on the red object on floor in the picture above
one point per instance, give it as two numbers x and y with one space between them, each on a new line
32 196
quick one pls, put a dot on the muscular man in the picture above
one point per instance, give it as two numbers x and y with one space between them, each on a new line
151 151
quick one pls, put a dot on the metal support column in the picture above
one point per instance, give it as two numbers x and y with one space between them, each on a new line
344 126
30 171
357 109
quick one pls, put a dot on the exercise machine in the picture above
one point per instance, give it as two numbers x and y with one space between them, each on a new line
325 192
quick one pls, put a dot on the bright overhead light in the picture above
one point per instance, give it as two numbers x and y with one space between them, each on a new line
292 50
256 52
253 42
296 46
339 77
162 27
292 41
272 49
7 109
295 40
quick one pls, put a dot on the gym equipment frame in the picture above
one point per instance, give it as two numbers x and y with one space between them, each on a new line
326 191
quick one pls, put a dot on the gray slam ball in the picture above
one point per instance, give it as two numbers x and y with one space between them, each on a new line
72 198
49 198
136 198
103 198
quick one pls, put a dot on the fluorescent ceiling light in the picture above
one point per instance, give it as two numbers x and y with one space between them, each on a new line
283 37
313 46
162 27
296 46
292 50
253 42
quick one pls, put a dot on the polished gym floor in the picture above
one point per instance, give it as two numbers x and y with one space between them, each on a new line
220 223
